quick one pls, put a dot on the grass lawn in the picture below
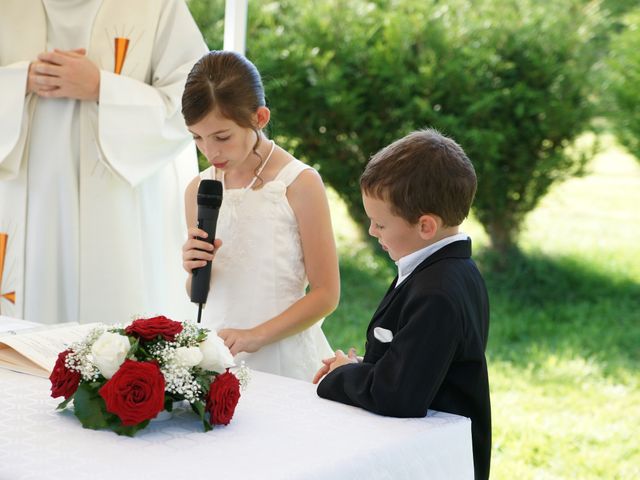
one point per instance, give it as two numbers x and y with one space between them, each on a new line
564 343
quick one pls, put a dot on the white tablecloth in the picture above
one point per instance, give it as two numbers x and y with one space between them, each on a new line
281 430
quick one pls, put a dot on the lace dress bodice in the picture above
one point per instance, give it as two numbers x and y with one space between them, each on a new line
259 272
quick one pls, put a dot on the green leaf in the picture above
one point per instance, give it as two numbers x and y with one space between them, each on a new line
89 407
65 403
198 408
143 353
130 430
207 425
134 348
168 403
202 335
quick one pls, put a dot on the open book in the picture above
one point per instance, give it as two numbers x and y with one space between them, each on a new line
33 348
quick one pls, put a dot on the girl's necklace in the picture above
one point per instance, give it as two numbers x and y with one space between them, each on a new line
255 177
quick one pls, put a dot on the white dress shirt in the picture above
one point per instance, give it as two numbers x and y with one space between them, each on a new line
408 263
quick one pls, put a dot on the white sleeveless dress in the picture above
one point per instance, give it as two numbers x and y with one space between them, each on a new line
259 272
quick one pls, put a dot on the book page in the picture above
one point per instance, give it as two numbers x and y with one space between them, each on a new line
42 345
10 324
12 360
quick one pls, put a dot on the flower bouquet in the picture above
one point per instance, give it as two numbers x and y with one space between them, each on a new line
121 378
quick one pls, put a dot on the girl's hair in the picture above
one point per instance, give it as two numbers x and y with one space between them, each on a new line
224 81
227 82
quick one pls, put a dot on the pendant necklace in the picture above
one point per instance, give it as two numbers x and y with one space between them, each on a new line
255 177
235 198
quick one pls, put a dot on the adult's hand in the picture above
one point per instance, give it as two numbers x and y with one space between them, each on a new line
32 79
65 74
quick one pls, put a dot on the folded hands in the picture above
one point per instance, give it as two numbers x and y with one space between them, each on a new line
64 74
339 359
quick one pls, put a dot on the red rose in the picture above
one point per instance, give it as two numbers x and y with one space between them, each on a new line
150 328
135 393
224 394
64 382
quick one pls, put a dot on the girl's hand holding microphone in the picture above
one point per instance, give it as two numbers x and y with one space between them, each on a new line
197 251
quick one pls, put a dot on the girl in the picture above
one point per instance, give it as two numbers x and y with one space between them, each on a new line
274 226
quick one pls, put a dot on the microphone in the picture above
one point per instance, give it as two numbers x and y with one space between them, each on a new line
209 201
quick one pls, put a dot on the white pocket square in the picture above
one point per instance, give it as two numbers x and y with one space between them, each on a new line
382 334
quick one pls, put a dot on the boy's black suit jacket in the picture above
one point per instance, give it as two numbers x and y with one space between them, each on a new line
439 318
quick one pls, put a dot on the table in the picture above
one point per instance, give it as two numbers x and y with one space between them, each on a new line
281 430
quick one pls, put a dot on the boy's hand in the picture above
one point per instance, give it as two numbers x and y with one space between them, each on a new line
342 359
326 363
195 252
330 364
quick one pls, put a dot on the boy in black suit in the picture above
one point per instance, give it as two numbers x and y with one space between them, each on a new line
426 341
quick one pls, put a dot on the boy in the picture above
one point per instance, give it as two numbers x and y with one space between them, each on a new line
426 341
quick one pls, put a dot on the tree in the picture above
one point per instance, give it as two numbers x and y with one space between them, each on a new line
624 76
521 94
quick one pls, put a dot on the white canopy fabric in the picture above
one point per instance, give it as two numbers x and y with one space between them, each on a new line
235 25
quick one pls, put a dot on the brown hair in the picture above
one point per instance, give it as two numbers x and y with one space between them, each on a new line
423 172
227 82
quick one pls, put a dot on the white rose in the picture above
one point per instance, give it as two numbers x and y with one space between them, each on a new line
216 355
109 352
188 356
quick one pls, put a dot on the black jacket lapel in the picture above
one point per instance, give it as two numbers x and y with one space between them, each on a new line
459 249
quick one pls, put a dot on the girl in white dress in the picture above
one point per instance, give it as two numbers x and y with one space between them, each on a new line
274 234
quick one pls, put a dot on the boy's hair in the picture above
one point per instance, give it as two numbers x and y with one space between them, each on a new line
423 172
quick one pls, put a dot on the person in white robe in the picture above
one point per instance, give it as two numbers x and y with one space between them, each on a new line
94 158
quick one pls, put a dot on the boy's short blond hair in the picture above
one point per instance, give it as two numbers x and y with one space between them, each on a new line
422 173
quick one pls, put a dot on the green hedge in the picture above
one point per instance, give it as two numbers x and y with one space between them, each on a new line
507 79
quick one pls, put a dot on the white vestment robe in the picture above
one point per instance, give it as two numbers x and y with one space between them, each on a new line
92 193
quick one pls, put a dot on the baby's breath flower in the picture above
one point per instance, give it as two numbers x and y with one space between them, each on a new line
180 381
80 358
188 337
243 373
164 352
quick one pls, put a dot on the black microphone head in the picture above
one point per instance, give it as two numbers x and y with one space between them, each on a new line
210 193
